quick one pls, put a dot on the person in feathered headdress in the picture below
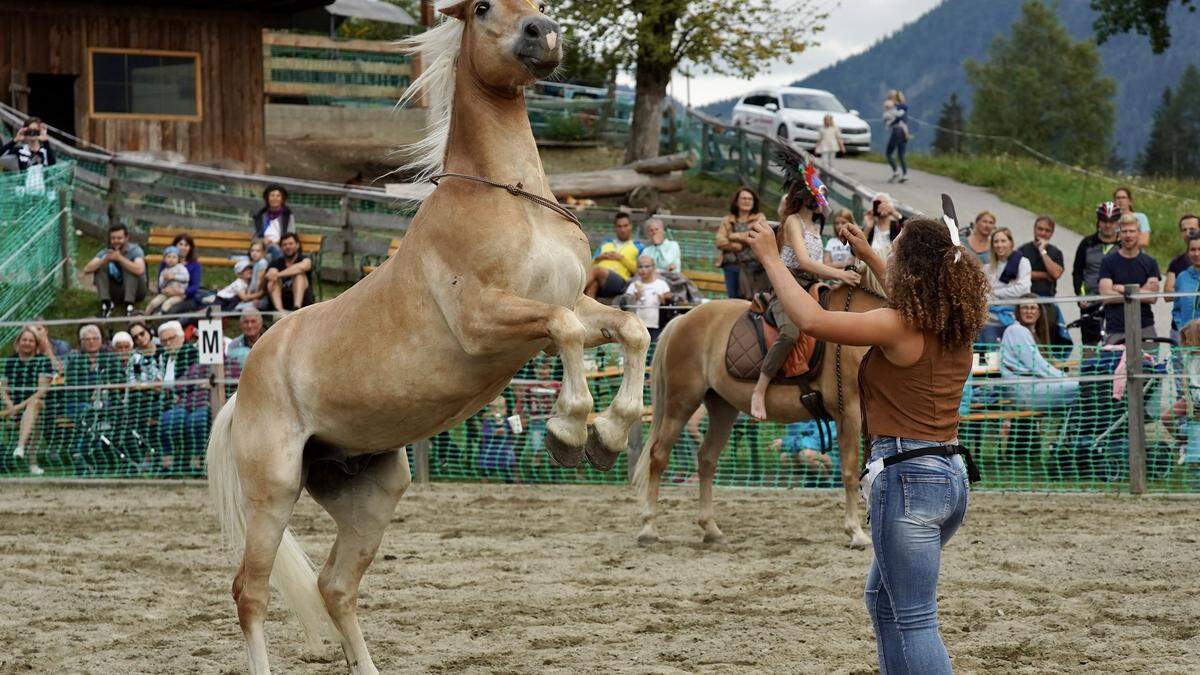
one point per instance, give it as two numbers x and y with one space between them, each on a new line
802 215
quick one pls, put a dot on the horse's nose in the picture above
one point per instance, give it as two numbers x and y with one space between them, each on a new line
542 32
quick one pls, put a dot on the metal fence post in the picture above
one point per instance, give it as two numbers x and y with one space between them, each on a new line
1134 390
421 460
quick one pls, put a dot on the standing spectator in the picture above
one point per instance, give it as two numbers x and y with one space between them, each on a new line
1123 198
614 261
238 294
838 254
882 224
829 143
273 220
1186 309
535 401
1189 224
23 384
119 272
1045 259
185 419
1128 265
1085 272
736 255
251 323
1009 274
801 448
647 292
1021 356
172 282
979 239
664 252
895 118
194 298
289 279
496 456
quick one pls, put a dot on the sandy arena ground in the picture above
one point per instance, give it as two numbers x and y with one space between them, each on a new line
487 578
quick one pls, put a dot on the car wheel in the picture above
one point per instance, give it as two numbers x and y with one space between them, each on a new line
782 132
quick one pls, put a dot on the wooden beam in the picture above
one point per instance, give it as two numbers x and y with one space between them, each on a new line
331 66
275 38
332 90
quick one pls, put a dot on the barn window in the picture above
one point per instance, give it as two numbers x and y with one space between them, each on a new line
144 84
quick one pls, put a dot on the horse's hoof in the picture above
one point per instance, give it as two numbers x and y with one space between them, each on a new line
647 540
600 457
567 456
859 543
714 538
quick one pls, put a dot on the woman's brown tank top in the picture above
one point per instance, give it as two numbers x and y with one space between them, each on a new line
918 401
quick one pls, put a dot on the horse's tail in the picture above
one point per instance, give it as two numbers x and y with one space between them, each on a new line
658 399
293 575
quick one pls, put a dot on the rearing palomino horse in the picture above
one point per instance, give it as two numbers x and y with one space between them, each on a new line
485 280
689 369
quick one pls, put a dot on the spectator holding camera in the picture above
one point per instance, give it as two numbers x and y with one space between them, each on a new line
119 272
31 146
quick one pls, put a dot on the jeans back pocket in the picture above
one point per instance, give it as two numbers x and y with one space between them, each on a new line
926 497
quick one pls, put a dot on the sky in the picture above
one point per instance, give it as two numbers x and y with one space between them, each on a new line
846 33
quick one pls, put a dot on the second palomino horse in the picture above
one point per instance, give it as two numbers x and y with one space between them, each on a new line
485 280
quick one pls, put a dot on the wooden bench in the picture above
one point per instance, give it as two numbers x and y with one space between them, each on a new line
712 282
371 262
1002 415
218 248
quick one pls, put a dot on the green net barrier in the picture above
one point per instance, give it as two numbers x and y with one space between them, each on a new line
113 416
31 241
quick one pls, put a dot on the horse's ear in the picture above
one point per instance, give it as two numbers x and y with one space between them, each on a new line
453 8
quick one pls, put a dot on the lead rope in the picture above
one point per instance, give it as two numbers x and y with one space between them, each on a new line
517 190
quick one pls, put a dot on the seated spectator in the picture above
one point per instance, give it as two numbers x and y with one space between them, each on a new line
733 244
1021 356
86 369
837 252
614 262
273 221
24 381
496 455
194 299
289 279
1009 273
172 282
251 323
60 348
646 293
1127 265
143 339
238 294
664 252
1186 309
535 403
1123 198
979 238
800 451
259 263
184 421
119 272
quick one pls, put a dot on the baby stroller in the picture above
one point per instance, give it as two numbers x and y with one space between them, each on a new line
1093 441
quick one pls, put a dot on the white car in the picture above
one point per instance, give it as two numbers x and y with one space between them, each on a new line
797 114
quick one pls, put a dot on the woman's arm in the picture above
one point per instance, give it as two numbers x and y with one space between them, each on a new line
193 279
1017 287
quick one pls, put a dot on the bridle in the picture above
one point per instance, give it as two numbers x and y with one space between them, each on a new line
514 189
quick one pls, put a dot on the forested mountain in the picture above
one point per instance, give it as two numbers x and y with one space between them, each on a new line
924 59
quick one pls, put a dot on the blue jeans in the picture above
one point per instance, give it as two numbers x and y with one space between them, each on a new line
182 431
731 280
915 507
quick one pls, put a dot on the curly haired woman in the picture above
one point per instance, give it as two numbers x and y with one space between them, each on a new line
911 383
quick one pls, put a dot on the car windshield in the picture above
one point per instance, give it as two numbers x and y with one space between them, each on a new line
825 102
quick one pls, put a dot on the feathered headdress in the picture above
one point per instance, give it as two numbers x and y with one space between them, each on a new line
796 169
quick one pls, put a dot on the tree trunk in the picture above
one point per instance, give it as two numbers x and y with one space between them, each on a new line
644 130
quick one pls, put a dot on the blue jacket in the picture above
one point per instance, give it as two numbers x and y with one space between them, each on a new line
1186 309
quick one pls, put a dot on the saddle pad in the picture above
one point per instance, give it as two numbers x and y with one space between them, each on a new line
746 347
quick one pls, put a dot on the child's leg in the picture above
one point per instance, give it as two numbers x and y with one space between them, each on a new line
155 303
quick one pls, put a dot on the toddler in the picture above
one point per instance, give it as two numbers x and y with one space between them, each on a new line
648 291
172 282
238 295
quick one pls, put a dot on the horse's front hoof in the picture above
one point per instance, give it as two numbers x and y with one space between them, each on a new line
600 457
647 540
566 456
860 541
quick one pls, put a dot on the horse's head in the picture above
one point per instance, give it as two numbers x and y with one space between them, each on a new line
507 43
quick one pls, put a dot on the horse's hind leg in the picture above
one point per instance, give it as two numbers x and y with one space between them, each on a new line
361 505
721 417
610 432
662 440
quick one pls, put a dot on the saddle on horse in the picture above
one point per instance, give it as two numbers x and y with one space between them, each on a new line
754 333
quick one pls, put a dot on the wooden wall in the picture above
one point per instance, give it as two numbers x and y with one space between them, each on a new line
53 37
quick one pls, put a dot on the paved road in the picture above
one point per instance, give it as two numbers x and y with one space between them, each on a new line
923 191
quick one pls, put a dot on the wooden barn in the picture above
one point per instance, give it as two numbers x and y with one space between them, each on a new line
184 76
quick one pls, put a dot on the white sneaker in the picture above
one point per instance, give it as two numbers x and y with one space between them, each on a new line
36 470
19 452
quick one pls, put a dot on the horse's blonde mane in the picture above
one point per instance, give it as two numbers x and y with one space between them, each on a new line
438 49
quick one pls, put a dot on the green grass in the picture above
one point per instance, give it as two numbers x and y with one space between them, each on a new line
1069 196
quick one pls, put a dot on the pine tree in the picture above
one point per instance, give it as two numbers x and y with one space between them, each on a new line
1174 145
1044 89
949 139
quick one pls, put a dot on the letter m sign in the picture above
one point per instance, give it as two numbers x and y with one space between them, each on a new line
212 342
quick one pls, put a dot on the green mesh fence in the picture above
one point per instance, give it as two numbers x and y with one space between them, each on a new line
32 241
116 415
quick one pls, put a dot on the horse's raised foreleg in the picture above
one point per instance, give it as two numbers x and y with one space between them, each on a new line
610 433
488 320
721 417
361 505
